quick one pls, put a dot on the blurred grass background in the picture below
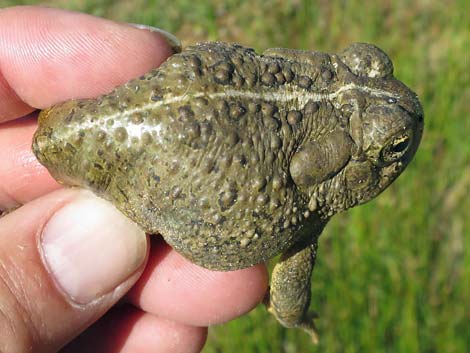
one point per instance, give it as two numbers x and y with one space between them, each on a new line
393 275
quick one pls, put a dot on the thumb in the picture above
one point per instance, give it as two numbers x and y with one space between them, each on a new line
65 259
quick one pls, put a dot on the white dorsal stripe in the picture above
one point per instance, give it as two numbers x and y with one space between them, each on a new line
301 97
289 94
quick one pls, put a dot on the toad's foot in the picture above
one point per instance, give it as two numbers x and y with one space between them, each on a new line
307 322
289 296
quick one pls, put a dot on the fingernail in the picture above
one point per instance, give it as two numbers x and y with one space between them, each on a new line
171 39
90 248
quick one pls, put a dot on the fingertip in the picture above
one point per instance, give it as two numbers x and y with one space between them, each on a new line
179 290
40 310
50 55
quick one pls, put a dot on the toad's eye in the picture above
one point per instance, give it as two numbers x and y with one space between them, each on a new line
396 149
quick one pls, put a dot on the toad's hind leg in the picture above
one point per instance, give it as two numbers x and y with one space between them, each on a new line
289 296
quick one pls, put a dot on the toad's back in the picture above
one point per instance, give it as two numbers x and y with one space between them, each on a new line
198 150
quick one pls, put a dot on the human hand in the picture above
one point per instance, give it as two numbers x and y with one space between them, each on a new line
67 257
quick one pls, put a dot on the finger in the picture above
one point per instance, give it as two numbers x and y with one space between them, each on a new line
23 177
176 289
128 330
50 55
65 259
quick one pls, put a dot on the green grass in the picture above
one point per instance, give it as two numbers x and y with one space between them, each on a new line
393 275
